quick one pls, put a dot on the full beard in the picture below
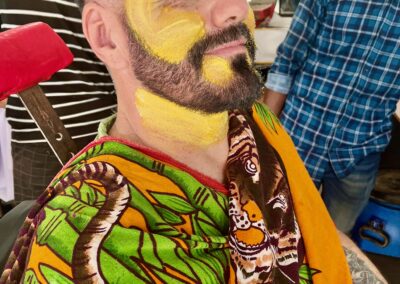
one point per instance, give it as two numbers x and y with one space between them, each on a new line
184 84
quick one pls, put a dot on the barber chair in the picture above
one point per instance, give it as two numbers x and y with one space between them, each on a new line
43 53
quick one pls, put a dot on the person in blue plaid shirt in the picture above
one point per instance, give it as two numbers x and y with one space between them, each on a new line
337 78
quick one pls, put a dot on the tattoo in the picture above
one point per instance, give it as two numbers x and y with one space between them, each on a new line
360 272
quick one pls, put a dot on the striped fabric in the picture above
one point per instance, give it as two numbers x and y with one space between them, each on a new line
340 66
82 94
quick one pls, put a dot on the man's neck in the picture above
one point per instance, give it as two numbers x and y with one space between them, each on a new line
195 139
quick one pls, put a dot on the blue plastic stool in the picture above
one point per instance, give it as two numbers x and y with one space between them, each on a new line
377 230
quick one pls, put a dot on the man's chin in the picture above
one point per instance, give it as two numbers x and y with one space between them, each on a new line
240 92
183 83
233 96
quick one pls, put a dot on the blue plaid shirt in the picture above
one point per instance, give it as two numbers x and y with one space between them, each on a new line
340 68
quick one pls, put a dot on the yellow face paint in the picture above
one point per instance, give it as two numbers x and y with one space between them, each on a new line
250 22
169 33
178 123
217 70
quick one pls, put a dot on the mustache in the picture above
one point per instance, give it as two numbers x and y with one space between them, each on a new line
230 34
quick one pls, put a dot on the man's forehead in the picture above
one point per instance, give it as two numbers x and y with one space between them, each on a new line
175 3
172 3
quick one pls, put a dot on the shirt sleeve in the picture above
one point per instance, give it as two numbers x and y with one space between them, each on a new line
293 51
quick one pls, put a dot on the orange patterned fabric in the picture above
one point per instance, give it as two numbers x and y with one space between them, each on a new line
319 233
120 213
265 239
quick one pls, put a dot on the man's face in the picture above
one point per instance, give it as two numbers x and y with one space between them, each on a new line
175 55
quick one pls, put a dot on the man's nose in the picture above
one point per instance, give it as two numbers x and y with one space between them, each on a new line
225 13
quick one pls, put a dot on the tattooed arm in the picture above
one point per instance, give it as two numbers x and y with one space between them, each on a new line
363 271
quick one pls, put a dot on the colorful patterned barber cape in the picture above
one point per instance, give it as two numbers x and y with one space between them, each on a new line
120 213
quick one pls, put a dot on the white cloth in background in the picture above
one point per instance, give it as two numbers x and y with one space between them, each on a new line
6 170
268 39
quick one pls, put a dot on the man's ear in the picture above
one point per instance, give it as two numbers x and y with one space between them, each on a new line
104 31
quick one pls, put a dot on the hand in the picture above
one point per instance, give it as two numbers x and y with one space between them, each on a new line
273 100
3 103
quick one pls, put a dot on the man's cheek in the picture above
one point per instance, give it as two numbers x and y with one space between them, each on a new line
250 22
170 33
217 70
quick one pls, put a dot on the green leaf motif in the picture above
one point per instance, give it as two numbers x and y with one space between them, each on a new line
72 191
216 261
207 225
53 276
79 213
53 230
87 194
155 221
50 224
112 268
154 252
306 273
169 216
174 203
200 268
267 116
30 277
167 278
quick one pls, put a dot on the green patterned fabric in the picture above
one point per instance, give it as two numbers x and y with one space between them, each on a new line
120 213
